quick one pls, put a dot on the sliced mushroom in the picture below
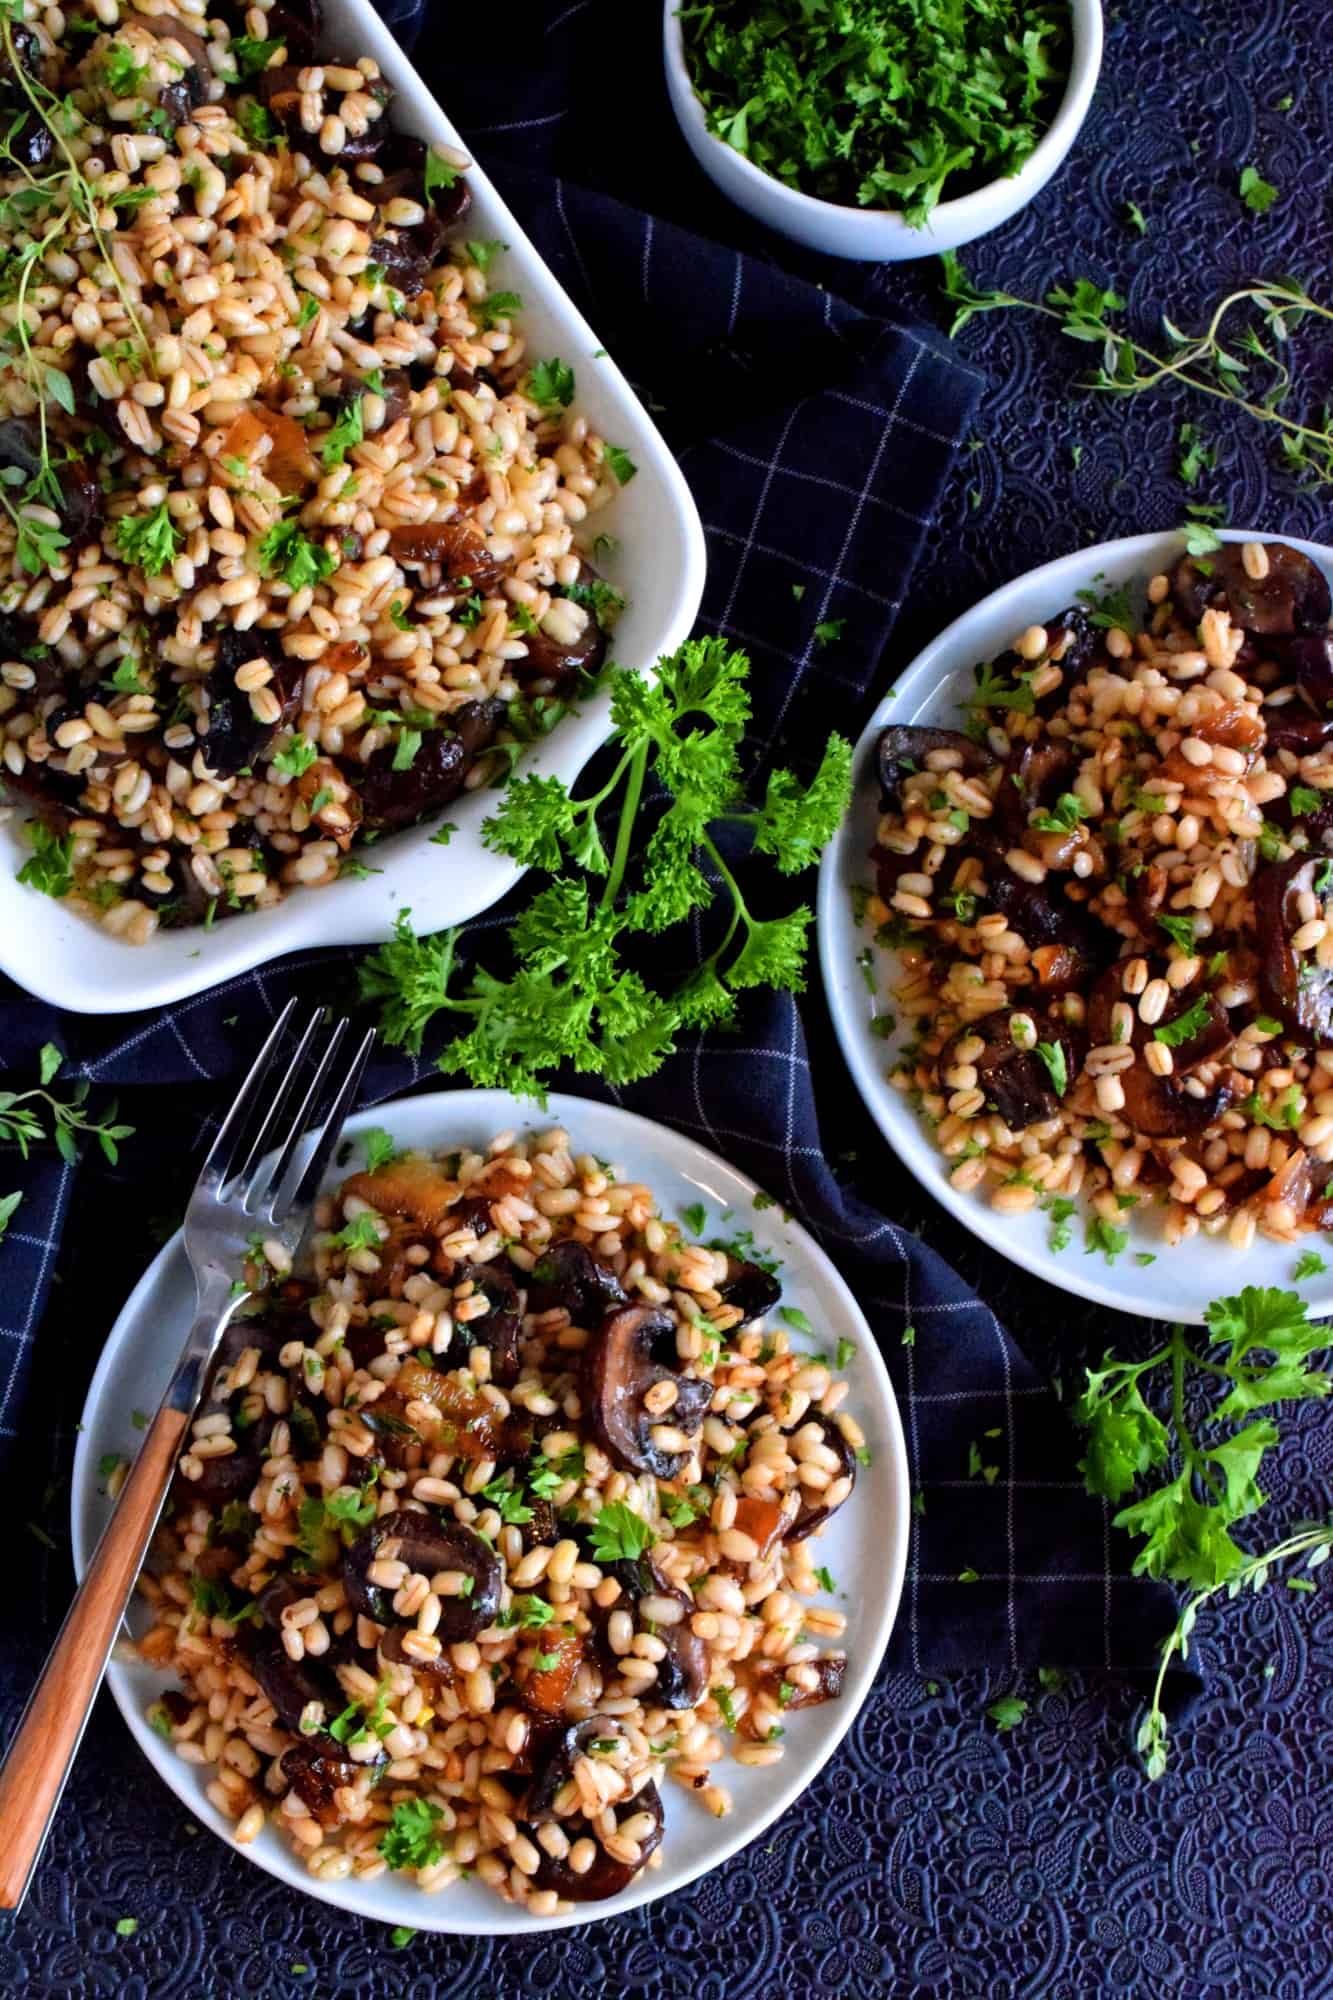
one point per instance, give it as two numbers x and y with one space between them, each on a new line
236 737
1294 986
498 1328
1042 914
568 645
606 1877
426 1546
291 1685
28 138
682 1672
1017 1082
633 1351
812 1515
1033 778
79 503
750 1288
557 1768
1308 658
1162 1107
569 1275
1291 725
415 1188
544 1689
1293 596
904 747
391 798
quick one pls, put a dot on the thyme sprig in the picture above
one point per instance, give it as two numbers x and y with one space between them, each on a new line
1241 358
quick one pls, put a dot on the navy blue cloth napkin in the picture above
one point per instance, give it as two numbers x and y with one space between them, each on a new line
816 440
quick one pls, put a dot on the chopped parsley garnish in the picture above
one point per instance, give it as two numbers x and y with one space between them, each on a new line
49 867
496 306
1304 799
551 386
620 462
1052 1055
726 1704
439 175
361 1233
347 430
286 552
294 758
1310 1265
1067 813
410 1839
1101 1235
381 1147
619 1534
1257 194
1186 1026
149 540
1180 930
824 1578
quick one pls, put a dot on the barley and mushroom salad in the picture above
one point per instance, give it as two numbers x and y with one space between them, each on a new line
1110 899
503 1512
287 504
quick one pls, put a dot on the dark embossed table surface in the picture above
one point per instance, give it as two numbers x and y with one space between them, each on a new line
934 1855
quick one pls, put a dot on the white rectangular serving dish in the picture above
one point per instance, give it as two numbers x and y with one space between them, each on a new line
660 569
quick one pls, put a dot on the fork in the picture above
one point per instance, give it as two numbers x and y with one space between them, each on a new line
261 1177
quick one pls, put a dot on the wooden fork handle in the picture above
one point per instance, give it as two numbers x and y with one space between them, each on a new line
43 1748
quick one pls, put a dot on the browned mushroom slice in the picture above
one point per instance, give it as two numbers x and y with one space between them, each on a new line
392 798
544 1689
426 1546
1042 914
553 665
1293 985
411 1187
1163 1107
633 1351
1293 596
569 1275
1018 1084
749 1287
236 737
1291 725
813 1514
682 1672
904 747
556 1769
497 1329
290 1685
1033 778
607 1876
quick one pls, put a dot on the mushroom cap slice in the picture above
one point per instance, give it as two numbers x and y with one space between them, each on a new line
427 1546
606 1877
635 1349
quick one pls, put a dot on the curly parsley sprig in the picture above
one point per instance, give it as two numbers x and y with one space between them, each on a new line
571 998
1241 358
1254 1355
1257 1351
1312 1540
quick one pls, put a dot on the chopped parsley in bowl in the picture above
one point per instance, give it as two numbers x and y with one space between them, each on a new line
882 128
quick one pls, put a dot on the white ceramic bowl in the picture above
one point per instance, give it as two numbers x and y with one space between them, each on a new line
865 1544
880 235
660 569
1180 1284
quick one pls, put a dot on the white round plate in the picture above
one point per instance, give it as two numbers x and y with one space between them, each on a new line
1179 1284
865 1545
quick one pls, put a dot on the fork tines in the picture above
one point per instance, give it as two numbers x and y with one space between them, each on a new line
276 1141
